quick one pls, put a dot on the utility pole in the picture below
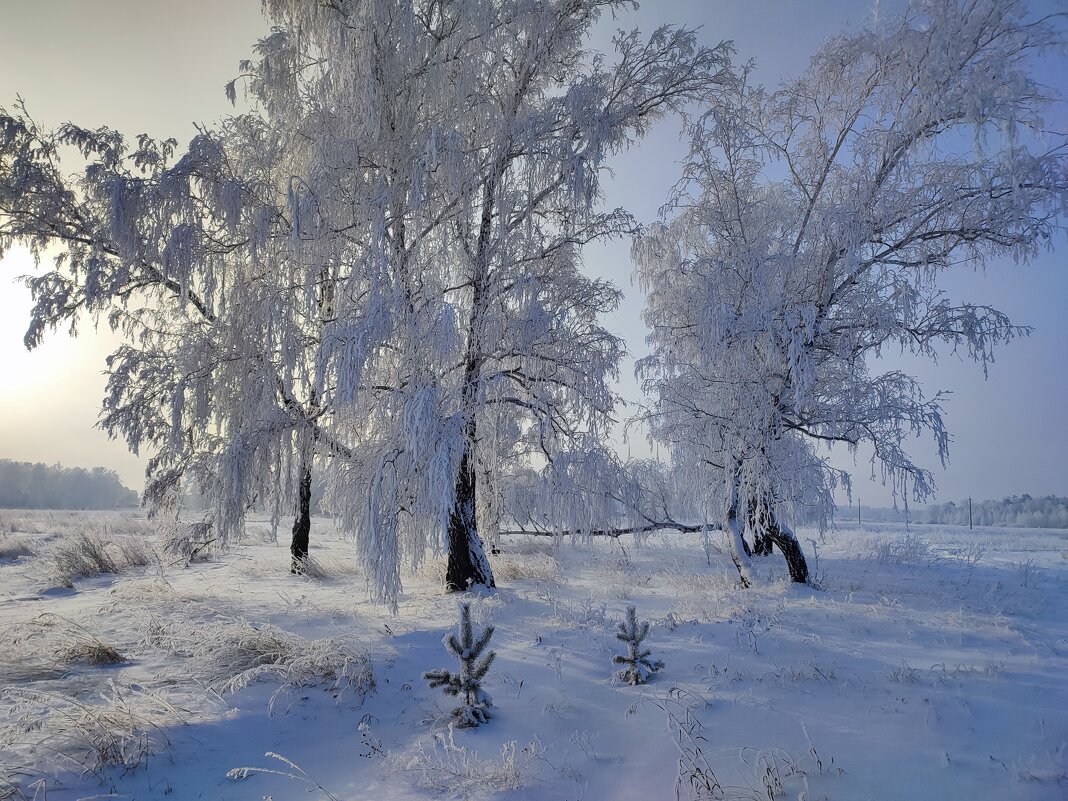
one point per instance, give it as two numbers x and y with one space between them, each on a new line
969 513
858 510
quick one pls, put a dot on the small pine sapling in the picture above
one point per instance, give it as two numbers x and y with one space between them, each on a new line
637 669
467 683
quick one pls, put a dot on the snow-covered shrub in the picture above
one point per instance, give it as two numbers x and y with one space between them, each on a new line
581 613
637 667
448 768
968 555
49 641
909 550
86 553
467 683
1026 572
12 546
231 653
123 729
190 542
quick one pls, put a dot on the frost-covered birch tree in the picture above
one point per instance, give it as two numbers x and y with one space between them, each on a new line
476 340
807 237
192 259
376 268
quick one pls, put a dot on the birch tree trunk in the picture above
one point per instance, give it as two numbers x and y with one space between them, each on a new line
302 525
733 525
781 534
467 565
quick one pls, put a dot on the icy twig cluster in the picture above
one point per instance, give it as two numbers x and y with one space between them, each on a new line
449 768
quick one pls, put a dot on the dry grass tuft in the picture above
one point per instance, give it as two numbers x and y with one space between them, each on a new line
93 653
41 647
183 545
432 568
13 546
272 562
231 653
123 730
450 768
89 553
541 567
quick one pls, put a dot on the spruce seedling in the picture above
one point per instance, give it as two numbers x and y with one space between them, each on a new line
474 710
637 667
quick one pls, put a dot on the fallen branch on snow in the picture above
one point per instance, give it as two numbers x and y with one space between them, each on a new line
682 528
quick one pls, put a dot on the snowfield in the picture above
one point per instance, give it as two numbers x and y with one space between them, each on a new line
928 664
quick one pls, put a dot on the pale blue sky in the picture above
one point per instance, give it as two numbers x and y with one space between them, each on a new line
156 66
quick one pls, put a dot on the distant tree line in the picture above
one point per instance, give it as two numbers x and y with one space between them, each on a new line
1020 511
24 485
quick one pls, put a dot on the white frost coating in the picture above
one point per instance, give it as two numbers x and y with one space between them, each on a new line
459 168
808 235
733 526
180 254
380 260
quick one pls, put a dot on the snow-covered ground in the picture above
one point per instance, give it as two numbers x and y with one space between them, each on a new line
929 664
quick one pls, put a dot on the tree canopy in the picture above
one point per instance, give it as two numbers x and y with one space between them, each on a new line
808 235
375 269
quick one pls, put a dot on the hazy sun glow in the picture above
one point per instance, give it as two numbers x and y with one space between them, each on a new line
50 397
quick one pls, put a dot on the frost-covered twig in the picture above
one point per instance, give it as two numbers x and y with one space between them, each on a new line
295 772
451 768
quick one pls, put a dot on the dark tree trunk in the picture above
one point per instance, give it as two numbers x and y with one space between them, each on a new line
782 536
302 525
494 538
467 564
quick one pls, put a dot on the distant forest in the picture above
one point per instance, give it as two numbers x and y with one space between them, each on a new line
39 486
1021 511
